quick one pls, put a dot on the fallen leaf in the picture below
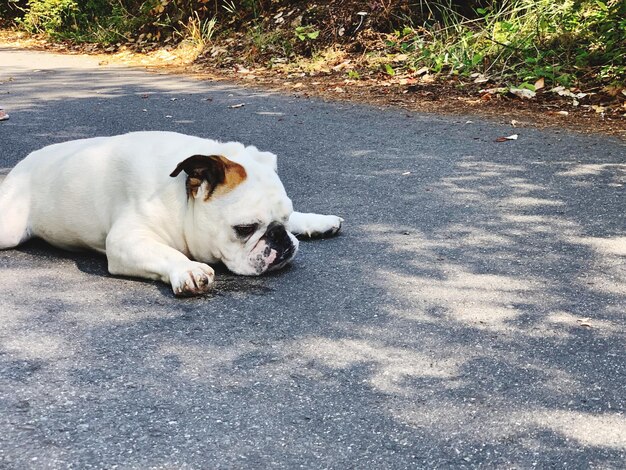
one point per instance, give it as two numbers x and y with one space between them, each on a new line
342 65
598 109
539 84
481 78
561 91
493 91
504 139
407 81
558 113
523 93
614 90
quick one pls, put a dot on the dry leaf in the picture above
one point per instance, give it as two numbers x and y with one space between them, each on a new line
504 139
614 90
481 78
523 93
598 109
558 113
342 65
561 91
539 84
493 91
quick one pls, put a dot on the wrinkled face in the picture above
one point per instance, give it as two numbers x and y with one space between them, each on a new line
240 218
262 243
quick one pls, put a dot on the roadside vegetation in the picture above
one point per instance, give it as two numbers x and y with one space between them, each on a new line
572 50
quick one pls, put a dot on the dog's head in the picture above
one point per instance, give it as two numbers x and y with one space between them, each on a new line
237 211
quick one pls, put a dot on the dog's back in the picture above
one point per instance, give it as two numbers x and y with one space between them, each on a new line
68 193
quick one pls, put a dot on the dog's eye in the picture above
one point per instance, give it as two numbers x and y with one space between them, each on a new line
244 231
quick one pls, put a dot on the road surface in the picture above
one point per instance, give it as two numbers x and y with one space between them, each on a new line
472 313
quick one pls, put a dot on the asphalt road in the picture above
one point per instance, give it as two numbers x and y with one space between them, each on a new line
472 313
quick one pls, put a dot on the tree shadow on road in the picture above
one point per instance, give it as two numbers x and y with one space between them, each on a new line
470 315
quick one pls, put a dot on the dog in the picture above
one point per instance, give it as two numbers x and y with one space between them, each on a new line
159 205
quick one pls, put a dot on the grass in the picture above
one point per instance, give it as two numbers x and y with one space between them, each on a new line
562 42
569 43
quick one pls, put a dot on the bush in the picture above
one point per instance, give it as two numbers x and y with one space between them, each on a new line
520 40
100 21
50 16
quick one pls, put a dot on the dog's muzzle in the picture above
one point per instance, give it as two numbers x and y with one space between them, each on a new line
278 239
275 249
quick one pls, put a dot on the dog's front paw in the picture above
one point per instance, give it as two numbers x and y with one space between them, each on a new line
192 279
314 225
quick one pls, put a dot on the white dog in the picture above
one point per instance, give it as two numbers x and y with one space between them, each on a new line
159 205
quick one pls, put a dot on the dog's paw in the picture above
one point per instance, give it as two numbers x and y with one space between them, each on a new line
192 279
314 225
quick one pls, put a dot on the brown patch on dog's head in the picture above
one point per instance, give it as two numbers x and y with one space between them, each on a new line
214 170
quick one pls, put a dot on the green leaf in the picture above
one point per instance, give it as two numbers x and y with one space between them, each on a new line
389 69
528 86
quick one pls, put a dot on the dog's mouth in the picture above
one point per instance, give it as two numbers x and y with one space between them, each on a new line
285 257
275 249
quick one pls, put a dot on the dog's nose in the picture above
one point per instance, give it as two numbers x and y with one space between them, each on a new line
277 233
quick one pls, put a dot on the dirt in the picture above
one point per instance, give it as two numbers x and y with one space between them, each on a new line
598 111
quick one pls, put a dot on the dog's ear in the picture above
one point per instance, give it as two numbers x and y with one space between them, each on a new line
264 158
205 173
